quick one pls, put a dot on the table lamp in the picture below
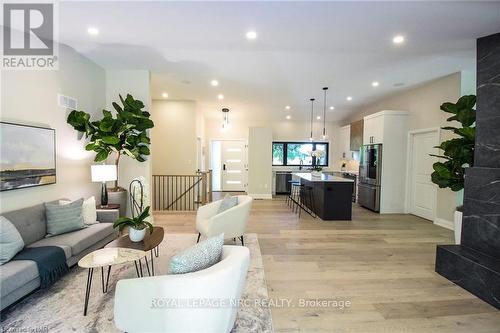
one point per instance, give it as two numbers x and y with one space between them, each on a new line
103 173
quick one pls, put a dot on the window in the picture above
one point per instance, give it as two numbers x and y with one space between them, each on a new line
292 153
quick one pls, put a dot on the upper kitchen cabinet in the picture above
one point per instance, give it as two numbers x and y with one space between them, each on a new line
345 138
356 137
379 126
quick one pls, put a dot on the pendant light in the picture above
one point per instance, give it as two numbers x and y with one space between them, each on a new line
225 118
312 114
325 89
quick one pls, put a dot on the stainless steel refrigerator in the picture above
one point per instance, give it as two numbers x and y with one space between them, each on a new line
370 172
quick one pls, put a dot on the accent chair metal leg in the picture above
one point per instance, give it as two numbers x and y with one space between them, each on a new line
241 239
199 235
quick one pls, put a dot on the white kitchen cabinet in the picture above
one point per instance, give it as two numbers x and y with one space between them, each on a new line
373 128
345 141
389 128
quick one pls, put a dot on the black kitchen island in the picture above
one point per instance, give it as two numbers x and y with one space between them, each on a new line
332 196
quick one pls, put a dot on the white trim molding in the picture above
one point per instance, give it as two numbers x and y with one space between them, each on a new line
444 223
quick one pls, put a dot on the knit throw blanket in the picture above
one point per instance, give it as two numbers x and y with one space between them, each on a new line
50 260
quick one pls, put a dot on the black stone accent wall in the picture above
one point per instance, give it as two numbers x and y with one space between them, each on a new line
475 263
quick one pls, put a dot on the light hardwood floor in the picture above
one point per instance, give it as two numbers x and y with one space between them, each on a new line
382 264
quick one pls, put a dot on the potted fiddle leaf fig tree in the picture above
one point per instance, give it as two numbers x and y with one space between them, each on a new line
124 133
458 153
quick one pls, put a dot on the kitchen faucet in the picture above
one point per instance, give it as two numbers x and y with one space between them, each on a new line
301 164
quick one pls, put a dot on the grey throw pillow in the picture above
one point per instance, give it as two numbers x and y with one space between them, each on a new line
227 202
11 241
198 257
64 218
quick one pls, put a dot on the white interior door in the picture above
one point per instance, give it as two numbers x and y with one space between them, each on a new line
422 191
233 165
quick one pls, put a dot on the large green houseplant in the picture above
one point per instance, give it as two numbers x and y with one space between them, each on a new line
124 133
458 153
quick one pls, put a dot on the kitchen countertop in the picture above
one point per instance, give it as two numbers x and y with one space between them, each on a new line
323 178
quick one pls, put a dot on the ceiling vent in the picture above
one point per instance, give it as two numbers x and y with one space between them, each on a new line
67 102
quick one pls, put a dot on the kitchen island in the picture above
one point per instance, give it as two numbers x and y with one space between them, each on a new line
331 195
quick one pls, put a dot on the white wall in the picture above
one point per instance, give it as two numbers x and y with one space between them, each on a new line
174 137
136 83
423 102
30 97
260 172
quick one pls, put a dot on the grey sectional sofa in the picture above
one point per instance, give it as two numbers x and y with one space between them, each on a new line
20 277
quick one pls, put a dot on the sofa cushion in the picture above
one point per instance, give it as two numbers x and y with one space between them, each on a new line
81 239
30 222
15 274
198 257
52 241
11 241
89 210
64 218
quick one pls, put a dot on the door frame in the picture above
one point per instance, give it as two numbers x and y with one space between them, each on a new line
245 171
409 164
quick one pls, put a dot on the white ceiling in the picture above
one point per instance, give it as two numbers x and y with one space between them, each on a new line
301 47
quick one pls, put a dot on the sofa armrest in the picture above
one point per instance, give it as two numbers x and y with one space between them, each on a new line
107 215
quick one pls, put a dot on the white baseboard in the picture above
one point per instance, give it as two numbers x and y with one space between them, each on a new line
261 196
444 223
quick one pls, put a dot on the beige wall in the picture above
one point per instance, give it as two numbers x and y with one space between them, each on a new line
423 103
30 97
177 124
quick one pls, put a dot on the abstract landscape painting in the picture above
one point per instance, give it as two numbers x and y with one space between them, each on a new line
27 156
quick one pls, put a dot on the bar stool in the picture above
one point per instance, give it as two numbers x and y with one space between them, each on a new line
307 202
294 201
289 197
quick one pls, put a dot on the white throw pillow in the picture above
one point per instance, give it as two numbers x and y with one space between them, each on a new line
11 241
89 211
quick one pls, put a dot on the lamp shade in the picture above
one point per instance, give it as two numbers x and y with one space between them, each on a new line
103 172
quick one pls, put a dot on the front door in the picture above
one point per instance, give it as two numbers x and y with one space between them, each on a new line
233 165
422 190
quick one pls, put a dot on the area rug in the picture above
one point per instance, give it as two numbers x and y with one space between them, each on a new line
60 308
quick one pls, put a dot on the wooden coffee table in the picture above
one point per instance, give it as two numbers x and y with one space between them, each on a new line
149 243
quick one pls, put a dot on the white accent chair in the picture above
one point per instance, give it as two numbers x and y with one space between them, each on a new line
232 222
142 305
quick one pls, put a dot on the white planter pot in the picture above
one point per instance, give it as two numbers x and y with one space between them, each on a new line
316 174
458 226
136 235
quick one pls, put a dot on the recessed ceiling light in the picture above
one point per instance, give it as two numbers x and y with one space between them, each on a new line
288 117
349 98
251 35
93 31
374 84
164 95
287 107
332 107
214 83
220 96
318 117
398 39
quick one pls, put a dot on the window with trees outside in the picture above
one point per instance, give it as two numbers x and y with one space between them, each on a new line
292 153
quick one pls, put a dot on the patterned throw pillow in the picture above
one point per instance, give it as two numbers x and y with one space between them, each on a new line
11 241
227 202
198 257
64 218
